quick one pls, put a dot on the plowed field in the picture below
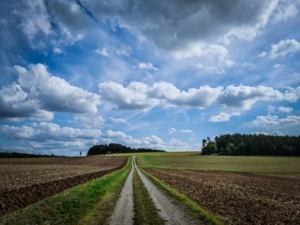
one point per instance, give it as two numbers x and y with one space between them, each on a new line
26 181
239 198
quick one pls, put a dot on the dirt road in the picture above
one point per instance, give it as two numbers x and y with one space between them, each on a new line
167 210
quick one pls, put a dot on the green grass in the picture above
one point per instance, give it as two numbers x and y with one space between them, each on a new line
145 211
90 203
249 164
191 206
152 154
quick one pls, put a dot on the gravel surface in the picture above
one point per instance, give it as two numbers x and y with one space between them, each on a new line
168 211
124 213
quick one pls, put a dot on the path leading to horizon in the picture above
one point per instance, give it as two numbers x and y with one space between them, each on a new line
167 210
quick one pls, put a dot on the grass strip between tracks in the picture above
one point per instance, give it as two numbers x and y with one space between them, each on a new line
89 203
192 206
145 211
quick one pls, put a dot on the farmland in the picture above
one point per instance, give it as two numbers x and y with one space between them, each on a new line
239 190
26 181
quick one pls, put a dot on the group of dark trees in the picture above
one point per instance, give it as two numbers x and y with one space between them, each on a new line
252 144
113 148
23 155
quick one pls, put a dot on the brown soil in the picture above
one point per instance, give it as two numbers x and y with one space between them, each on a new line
26 181
239 198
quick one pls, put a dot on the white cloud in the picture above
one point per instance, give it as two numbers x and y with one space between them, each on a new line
179 26
47 131
152 140
263 54
271 109
119 120
90 121
275 121
147 66
57 50
178 144
37 94
186 131
140 96
102 52
213 51
148 142
223 117
276 66
285 109
285 11
283 48
133 97
210 69
243 97
34 18
172 130
277 133
292 94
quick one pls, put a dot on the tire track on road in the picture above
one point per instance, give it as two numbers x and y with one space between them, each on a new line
167 210
124 211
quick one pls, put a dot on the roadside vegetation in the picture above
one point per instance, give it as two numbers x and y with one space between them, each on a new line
89 203
145 211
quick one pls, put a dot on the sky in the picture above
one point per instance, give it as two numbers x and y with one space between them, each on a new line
150 74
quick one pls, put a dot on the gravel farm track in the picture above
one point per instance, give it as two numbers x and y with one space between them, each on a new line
26 181
239 198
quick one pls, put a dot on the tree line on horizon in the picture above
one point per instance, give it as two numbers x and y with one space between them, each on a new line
252 144
114 148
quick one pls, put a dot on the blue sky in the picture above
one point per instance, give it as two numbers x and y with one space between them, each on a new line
151 74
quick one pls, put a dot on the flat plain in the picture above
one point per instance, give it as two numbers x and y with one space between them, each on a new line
238 190
26 181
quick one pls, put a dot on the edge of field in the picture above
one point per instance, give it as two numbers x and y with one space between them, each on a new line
188 204
83 204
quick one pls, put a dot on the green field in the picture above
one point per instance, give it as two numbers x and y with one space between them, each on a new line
248 164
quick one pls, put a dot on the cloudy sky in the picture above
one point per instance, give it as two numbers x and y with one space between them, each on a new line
151 74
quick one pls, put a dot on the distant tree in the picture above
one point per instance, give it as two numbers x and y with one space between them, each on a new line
80 153
204 141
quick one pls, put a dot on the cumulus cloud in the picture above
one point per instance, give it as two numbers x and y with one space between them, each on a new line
178 144
133 97
223 117
276 66
285 10
293 94
119 120
263 54
285 109
283 48
172 130
140 96
47 131
272 121
37 94
102 51
34 18
186 131
90 121
243 97
210 69
151 141
147 66
174 26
